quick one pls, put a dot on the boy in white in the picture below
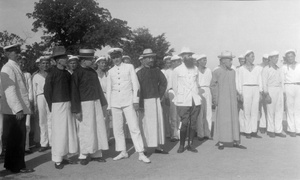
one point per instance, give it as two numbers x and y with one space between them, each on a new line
40 104
291 80
250 88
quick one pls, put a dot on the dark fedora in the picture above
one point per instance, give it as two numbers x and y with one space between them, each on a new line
58 51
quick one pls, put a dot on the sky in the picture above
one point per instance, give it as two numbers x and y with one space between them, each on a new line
206 27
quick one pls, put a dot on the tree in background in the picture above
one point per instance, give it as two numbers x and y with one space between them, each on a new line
78 24
142 39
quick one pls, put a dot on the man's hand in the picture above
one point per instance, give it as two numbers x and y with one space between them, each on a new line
19 115
136 106
78 116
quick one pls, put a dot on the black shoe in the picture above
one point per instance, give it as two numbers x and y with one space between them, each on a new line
221 147
262 130
192 149
292 134
160 151
271 135
236 145
242 134
180 149
98 159
201 138
67 161
59 166
280 135
24 170
84 162
42 149
255 135
174 139
248 136
27 152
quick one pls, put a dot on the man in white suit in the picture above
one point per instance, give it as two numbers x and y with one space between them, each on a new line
15 106
122 97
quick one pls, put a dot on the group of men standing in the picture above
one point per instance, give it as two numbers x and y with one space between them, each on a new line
175 101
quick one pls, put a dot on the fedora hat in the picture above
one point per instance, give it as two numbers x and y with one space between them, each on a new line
148 53
226 54
87 53
58 51
185 50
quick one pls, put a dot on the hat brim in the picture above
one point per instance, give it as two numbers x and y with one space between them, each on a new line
185 53
231 57
86 56
56 55
148 55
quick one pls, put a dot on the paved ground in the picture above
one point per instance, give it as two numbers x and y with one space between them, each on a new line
266 158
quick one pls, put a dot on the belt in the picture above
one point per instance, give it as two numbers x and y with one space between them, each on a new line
296 83
250 85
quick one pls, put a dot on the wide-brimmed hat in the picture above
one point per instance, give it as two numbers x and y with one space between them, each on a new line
87 53
290 51
175 57
58 51
115 50
274 53
101 58
148 53
248 52
226 54
266 56
185 50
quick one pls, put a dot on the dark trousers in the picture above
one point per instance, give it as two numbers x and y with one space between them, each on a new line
188 114
15 143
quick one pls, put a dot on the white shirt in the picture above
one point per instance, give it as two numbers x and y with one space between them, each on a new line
246 77
290 75
205 78
122 86
271 78
168 74
185 83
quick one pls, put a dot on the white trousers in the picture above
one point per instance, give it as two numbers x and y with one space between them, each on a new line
64 136
242 120
204 121
133 125
174 119
44 121
263 114
27 131
293 107
275 110
251 104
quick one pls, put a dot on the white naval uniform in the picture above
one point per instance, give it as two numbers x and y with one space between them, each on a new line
272 84
122 92
250 86
205 117
40 103
291 80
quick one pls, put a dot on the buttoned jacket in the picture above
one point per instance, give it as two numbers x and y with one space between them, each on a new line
15 93
185 84
122 86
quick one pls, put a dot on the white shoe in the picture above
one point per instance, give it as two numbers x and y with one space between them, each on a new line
144 159
121 156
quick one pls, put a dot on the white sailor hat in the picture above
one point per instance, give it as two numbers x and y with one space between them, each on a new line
266 56
175 57
241 56
126 57
248 52
43 58
167 58
290 51
72 58
201 56
101 58
226 54
115 50
195 56
274 53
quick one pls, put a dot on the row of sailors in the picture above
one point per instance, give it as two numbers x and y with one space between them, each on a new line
149 86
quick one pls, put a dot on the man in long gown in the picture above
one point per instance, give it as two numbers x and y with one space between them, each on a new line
57 91
153 85
224 96
87 101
